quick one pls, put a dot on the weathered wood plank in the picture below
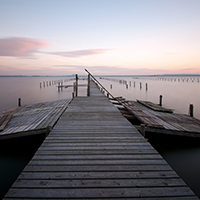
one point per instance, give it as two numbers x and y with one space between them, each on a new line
99 183
97 168
100 192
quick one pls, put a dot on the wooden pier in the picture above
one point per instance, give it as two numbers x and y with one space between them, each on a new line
93 152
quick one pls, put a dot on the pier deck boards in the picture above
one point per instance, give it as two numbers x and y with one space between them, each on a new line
161 120
31 119
173 123
93 152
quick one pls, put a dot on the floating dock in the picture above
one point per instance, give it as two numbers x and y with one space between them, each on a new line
93 152
31 119
160 120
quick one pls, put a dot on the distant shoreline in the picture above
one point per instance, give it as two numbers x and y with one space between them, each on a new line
157 75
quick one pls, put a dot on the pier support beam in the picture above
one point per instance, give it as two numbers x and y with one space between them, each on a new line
142 129
191 111
160 103
88 88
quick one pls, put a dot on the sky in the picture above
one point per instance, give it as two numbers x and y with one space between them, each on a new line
107 37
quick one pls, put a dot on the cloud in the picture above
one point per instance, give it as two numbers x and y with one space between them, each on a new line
20 47
170 53
80 53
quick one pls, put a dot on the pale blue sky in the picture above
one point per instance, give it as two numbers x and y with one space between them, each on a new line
106 36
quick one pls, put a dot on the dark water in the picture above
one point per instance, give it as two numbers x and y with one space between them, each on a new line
14 156
182 154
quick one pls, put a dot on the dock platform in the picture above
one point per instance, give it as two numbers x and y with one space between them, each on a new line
93 152
31 119
161 120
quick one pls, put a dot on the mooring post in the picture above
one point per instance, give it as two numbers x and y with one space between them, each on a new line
146 86
76 85
191 110
140 85
58 86
142 129
111 86
19 102
61 85
88 89
160 103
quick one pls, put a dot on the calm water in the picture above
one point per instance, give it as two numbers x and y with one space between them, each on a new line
183 155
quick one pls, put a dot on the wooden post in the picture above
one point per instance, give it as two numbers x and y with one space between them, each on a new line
58 86
61 85
40 84
111 86
19 102
108 94
44 84
76 85
72 95
134 84
160 103
142 129
191 110
140 85
88 89
146 86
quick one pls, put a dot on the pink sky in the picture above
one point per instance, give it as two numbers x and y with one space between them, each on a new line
137 37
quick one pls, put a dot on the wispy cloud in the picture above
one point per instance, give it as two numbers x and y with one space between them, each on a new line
172 53
20 47
80 53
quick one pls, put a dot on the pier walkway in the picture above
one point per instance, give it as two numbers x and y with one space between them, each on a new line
93 152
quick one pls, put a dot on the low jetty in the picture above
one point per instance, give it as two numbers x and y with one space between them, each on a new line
31 119
93 152
157 119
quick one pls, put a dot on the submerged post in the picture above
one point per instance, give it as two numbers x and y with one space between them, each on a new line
191 110
76 85
160 104
88 89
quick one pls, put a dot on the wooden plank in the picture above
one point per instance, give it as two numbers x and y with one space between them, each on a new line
97 175
99 183
97 168
100 192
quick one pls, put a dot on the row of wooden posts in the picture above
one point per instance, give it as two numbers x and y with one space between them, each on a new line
54 82
183 79
124 82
